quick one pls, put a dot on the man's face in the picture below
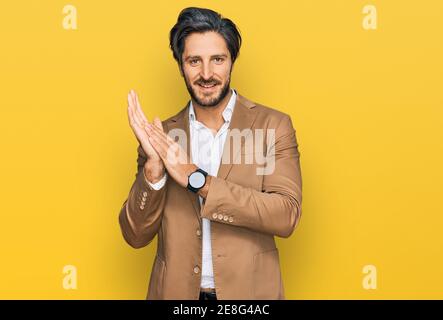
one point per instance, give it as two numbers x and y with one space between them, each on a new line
206 67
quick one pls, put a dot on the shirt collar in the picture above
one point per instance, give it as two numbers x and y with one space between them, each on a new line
227 113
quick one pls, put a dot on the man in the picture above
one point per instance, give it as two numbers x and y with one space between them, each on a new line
214 211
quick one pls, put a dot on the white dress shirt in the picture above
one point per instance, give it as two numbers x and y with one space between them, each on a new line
206 152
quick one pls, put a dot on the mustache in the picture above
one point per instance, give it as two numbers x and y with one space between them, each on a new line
206 82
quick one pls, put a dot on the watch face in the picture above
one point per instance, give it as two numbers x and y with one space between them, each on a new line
197 180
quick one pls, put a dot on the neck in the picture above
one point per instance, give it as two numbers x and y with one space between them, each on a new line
212 117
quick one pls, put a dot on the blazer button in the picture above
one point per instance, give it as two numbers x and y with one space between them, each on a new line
145 194
231 219
214 215
220 216
199 233
142 207
225 218
196 269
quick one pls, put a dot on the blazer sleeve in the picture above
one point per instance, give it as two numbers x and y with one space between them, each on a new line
141 214
276 209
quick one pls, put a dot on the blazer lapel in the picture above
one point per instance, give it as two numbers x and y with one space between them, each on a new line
242 118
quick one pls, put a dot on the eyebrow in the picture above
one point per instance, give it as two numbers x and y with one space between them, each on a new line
213 56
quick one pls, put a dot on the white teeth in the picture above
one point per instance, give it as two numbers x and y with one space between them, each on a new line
206 86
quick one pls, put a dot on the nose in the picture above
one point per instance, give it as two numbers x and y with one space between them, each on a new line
206 71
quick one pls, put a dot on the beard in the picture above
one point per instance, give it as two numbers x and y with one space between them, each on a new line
212 101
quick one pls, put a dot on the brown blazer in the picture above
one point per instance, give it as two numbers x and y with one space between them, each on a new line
246 210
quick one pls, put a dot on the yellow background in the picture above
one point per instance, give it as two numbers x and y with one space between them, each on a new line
367 106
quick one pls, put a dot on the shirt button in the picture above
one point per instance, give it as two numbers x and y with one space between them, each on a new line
220 216
214 215
196 269
199 233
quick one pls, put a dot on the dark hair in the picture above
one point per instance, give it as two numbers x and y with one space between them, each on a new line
201 20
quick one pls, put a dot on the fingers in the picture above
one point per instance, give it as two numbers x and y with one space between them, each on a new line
140 116
159 140
138 108
132 119
129 113
135 125
169 150
160 131
156 131
135 120
158 123
158 137
137 113
159 147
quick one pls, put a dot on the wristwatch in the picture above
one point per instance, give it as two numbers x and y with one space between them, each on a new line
196 180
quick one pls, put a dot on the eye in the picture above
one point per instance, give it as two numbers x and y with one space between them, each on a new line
193 61
218 60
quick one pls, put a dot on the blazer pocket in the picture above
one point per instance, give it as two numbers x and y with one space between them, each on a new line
156 283
267 283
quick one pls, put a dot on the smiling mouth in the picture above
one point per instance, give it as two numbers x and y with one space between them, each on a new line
207 86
